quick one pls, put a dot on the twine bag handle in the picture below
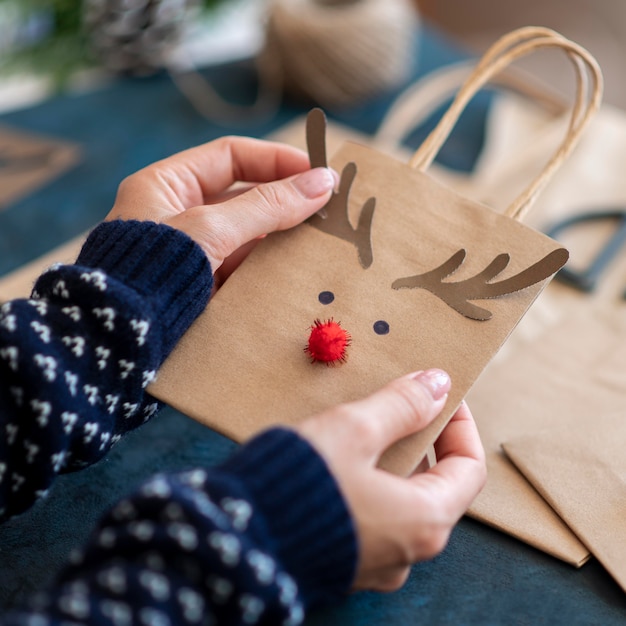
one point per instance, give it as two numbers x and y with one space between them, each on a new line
529 33
419 101
513 46
506 48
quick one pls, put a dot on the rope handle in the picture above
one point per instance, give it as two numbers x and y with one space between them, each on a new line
420 100
504 45
513 46
505 48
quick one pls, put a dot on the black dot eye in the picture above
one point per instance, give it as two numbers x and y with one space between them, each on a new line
381 327
326 297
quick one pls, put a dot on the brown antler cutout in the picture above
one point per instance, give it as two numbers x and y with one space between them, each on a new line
457 294
334 219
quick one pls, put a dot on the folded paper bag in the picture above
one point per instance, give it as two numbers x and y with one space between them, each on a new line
561 361
579 467
378 262
561 381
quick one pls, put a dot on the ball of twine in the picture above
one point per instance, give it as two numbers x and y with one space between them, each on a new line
339 52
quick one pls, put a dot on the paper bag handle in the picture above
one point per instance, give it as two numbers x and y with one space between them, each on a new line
507 48
419 101
515 45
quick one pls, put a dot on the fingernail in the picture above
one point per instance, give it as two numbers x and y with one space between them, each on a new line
315 182
436 381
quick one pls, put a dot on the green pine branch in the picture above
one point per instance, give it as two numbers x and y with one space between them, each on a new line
65 49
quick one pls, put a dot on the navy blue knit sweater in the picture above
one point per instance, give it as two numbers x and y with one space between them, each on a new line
258 540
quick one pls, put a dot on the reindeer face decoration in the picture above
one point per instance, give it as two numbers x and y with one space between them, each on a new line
377 262
335 221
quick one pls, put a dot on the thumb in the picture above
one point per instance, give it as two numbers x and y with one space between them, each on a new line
222 228
401 408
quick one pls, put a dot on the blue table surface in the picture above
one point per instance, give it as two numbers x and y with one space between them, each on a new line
484 577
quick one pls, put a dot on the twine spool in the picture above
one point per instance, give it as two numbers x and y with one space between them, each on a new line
338 52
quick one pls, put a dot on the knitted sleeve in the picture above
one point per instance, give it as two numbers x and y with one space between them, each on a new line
76 357
258 541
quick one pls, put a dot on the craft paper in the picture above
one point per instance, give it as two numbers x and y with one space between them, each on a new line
28 161
580 470
562 359
566 376
19 283
262 375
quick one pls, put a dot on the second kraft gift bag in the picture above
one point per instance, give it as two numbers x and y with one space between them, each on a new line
397 274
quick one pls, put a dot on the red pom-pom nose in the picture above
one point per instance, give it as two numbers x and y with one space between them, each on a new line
328 342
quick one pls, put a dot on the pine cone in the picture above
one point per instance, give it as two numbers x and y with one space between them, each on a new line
135 36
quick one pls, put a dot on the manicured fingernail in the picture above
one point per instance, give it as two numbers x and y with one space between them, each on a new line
437 381
315 182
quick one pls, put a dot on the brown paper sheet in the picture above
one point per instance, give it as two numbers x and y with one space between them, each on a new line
580 470
28 161
19 283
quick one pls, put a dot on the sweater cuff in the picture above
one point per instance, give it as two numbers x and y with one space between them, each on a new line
307 519
162 264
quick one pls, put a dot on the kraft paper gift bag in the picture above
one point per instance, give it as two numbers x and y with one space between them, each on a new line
564 320
567 378
417 275
565 343
580 468
549 339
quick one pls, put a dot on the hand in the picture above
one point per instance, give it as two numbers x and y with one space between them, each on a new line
399 520
194 191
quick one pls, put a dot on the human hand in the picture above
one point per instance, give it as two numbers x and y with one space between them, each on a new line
196 192
399 520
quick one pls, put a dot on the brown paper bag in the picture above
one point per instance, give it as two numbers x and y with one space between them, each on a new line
564 363
580 469
570 341
565 378
380 263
